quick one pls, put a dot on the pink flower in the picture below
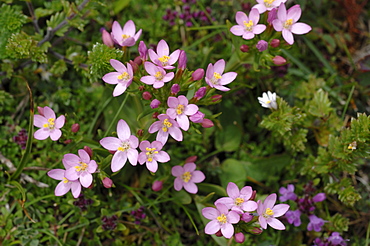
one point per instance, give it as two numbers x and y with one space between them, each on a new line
198 74
221 219
264 5
157 77
107 38
163 58
247 27
50 127
122 78
238 200
166 126
125 36
157 185
287 23
179 108
186 177
216 79
125 146
65 185
79 167
143 51
198 117
151 154
268 212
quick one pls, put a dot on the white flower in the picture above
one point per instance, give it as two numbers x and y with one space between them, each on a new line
268 100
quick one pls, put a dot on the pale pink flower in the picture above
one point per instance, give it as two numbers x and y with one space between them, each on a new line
247 27
268 212
122 78
49 125
151 154
80 167
163 58
221 219
215 77
125 146
186 177
166 126
65 185
239 201
179 109
264 5
126 36
157 77
287 22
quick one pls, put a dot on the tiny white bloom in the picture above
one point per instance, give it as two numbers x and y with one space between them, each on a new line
268 100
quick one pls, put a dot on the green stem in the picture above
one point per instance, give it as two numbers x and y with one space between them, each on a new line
347 103
98 114
116 116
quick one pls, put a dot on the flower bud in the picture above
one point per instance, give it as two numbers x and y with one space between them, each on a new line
207 123
107 38
253 197
134 65
182 60
200 93
143 51
275 43
262 45
197 117
198 74
141 88
138 61
146 95
244 48
40 110
219 233
140 132
246 217
239 237
155 103
278 60
89 151
107 182
272 15
256 230
157 185
191 159
75 127
216 98
175 89
68 141
319 197
155 115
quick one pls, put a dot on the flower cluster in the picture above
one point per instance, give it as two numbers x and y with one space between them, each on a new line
334 240
238 208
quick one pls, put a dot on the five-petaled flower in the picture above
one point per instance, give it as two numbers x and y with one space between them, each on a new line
49 124
166 126
286 22
221 219
215 77
268 212
122 78
179 108
64 185
186 177
247 27
125 146
157 77
125 36
268 100
238 200
151 154
79 167
163 58
264 5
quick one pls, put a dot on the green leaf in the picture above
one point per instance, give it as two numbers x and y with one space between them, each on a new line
118 6
183 197
320 104
233 171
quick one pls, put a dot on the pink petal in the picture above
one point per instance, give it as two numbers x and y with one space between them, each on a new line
300 28
157 145
270 201
171 112
144 144
55 134
42 134
132 155
92 166
178 184
240 17
219 66
158 84
162 48
71 174
70 160
280 209
142 158
86 179
249 206
162 156
57 174
227 230
258 29
281 14
209 72
248 35
152 166
156 126
228 78
119 89
221 88
212 227
172 102
149 80
183 122
49 113
246 191
288 36
137 35
76 189
110 143
84 155
59 122
260 7
174 57
129 28
189 167
168 77
262 222
197 176
254 16
111 78
128 42
177 171
210 213
152 55
62 188
150 68
118 161
175 132
183 100
232 190
233 217
118 66
39 120
294 13
227 201
123 130
134 141
191 187
278 25
191 109
237 30
162 136
276 224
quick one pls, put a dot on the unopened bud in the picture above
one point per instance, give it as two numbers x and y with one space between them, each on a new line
216 98
200 93
246 217
146 95
198 74
182 60
40 110
68 141
275 43
278 60
253 197
262 45
239 237
175 89
107 182
89 151
106 37
141 88
219 233
207 123
155 115
197 117
272 15
256 230
244 48
134 66
157 185
155 103
143 51
75 127
191 159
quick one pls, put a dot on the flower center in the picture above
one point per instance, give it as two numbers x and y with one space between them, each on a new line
125 146
150 152
123 76
288 23
238 201
268 3
124 36
166 125
268 213
158 75
352 145
248 25
50 124
180 109
186 176
81 167
164 60
215 78
65 180
222 219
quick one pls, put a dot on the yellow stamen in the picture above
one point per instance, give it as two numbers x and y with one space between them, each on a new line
158 75
217 75
222 219
81 167
288 23
238 201
269 212
186 176
166 125
124 36
180 108
164 59
268 3
65 180
50 124
123 76
352 145
248 25
268 102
